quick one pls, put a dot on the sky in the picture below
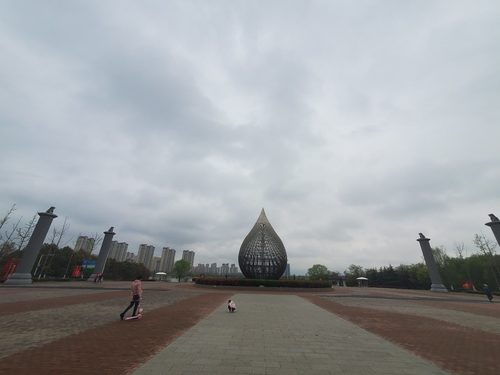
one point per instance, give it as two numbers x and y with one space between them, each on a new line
355 124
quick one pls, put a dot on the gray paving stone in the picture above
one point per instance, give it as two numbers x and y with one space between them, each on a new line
282 334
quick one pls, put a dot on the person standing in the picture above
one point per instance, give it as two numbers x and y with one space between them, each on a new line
136 297
488 293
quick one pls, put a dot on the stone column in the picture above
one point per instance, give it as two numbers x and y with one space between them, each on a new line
103 253
432 268
22 276
494 224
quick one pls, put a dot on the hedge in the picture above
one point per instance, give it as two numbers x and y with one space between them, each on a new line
265 283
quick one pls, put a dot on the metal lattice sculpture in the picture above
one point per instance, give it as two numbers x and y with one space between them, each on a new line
262 254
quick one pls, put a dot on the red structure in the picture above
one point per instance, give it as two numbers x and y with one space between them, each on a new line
8 269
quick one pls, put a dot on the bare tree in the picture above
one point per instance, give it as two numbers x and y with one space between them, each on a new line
57 235
488 248
24 233
6 217
97 237
461 250
62 231
8 244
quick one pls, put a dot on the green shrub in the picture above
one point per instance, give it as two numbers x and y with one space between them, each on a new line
265 283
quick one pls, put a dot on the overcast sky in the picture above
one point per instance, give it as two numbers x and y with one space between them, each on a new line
355 124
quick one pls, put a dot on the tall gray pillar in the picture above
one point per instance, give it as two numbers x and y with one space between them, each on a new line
22 276
103 253
494 224
432 268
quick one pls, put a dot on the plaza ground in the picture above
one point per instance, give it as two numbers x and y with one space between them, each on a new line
74 328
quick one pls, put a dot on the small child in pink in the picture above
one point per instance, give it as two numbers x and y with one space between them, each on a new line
231 306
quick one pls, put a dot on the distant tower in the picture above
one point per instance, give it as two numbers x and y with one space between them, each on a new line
188 256
167 260
145 255
84 243
262 254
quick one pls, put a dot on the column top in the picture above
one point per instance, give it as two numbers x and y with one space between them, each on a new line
494 220
49 212
422 237
110 231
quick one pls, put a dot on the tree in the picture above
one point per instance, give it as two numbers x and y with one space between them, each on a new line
24 233
181 269
124 270
97 237
318 272
9 245
353 271
488 248
6 217
57 235
440 256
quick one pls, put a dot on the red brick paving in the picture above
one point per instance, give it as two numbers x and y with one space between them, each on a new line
50 303
455 348
113 348
477 308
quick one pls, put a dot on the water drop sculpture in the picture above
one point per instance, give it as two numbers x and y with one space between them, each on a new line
262 254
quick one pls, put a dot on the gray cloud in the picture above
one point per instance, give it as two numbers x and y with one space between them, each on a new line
355 125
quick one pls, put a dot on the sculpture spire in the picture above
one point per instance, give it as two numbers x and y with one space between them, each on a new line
263 218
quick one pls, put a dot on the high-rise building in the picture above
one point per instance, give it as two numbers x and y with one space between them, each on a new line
188 255
155 265
145 255
131 257
84 243
167 260
121 253
112 249
233 270
213 269
287 270
118 251
200 269
224 269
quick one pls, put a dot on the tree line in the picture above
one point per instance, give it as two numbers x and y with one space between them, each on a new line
460 272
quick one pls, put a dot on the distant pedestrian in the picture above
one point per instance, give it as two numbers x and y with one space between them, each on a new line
487 291
136 297
99 277
231 306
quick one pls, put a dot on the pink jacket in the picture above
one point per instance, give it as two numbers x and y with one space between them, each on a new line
137 288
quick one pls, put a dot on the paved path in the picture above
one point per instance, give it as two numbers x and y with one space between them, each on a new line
281 334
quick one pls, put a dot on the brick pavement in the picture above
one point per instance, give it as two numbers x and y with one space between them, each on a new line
477 317
80 335
113 347
281 334
454 347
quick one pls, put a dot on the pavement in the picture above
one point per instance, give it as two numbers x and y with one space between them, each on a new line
74 328
281 334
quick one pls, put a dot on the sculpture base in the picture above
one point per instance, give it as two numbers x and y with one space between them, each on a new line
19 279
438 288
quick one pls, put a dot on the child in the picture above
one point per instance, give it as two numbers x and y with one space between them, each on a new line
231 306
